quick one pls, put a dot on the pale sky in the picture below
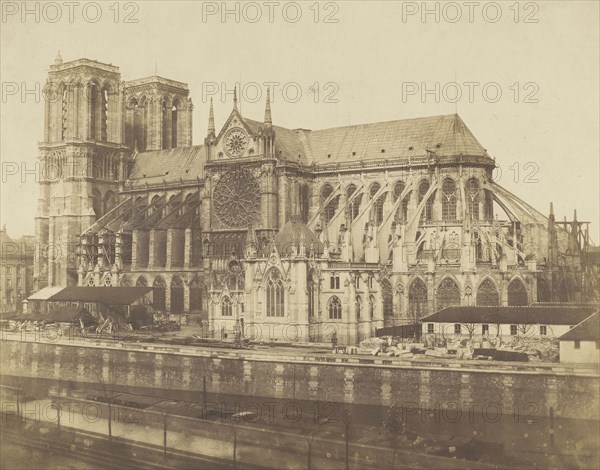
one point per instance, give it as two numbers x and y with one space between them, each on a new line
373 63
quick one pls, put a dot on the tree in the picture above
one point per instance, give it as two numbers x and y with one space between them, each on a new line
109 395
470 327
394 427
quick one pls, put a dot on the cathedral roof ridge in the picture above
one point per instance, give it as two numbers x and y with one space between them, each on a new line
81 62
157 79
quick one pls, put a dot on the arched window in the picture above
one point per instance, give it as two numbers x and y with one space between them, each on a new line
334 306
304 202
427 213
371 307
487 294
473 196
377 206
197 295
334 281
226 306
165 125
155 206
417 299
543 291
110 201
354 204
448 199
478 247
275 294
174 124
330 208
97 203
141 282
159 294
176 295
358 306
388 298
402 211
139 123
448 294
313 284
517 293
93 93
65 112
104 116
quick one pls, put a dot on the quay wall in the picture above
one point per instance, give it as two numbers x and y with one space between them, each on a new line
538 389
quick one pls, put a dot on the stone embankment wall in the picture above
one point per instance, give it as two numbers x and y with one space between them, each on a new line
570 391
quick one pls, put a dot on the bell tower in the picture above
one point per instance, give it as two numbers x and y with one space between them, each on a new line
82 162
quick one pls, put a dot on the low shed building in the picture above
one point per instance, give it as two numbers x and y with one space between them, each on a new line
582 343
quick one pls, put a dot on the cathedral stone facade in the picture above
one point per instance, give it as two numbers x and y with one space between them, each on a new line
282 233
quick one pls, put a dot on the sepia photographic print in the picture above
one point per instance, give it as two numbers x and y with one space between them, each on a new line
300 235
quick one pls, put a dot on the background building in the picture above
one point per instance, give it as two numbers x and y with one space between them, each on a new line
285 233
16 270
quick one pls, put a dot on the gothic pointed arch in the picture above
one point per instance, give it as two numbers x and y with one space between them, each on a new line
97 204
330 208
387 296
159 289
354 204
447 294
423 188
177 295
141 282
517 293
417 299
487 294
543 290
448 199
402 211
226 306
334 307
198 295
275 292
377 205
313 292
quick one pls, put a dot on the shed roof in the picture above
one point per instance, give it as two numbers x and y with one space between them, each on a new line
45 293
106 295
587 330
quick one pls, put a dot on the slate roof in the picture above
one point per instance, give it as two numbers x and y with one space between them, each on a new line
289 143
534 315
292 233
45 293
446 135
106 295
587 330
181 163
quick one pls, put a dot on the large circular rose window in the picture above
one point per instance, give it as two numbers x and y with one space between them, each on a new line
237 199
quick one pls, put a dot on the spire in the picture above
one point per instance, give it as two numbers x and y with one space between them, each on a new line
211 119
552 239
58 60
574 215
268 120
235 98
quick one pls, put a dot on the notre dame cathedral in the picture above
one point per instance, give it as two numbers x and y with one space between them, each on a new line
292 233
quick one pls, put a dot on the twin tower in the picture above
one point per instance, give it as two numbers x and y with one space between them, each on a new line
94 124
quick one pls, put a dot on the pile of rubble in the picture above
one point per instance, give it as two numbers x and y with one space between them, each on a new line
518 349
